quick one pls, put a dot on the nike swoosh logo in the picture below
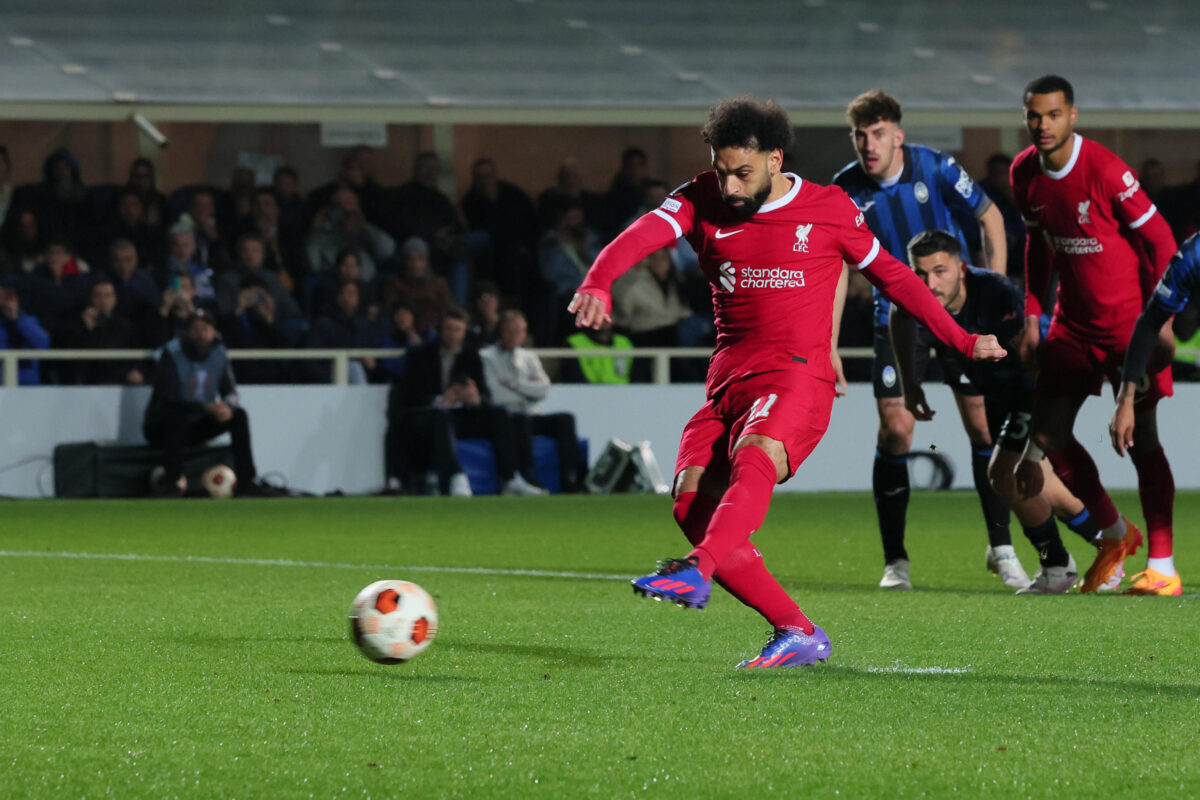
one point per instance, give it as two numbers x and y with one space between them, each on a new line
867 206
720 235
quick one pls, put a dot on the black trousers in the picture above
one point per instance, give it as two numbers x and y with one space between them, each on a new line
422 439
561 428
184 425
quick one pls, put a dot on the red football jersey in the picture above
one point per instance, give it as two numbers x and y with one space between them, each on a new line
773 276
1086 213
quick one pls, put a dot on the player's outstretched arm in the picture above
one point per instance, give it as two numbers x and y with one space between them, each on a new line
592 303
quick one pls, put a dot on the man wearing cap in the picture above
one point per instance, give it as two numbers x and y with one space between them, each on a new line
194 400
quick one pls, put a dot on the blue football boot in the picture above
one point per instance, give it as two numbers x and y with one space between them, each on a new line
788 649
678 580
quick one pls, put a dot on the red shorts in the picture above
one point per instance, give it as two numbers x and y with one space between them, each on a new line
1070 366
788 406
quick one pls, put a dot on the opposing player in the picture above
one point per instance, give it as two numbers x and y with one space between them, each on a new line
772 247
986 302
904 189
1180 282
1088 218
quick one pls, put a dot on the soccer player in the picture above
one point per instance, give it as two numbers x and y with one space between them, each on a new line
904 189
1181 281
986 302
772 247
1088 217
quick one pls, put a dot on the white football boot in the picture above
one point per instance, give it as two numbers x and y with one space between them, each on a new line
1003 561
1053 580
895 575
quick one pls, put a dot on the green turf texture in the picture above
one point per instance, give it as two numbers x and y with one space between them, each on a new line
131 678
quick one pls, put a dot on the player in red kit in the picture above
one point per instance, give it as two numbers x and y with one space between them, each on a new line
1089 219
771 245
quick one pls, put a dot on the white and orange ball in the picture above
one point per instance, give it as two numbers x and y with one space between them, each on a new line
393 621
219 481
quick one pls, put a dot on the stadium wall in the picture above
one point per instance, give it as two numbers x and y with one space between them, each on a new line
322 438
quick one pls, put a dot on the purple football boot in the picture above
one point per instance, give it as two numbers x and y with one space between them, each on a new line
678 580
788 649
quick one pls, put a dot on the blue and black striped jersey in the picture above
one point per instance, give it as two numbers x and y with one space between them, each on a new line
1182 278
931 188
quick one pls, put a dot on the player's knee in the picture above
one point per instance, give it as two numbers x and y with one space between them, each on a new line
1003 481
895 438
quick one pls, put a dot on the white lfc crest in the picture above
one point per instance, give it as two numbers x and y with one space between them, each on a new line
1085 217
802 231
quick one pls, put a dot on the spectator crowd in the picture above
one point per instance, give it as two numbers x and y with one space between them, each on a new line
354 263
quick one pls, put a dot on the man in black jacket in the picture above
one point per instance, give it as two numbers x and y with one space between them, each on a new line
194 400
442 394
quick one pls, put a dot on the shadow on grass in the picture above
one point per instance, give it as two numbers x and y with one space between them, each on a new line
560 656
881 675
220 641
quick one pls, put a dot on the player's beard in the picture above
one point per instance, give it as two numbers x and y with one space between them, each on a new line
750 205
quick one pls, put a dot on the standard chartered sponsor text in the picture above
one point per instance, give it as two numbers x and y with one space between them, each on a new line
1077 245
770 278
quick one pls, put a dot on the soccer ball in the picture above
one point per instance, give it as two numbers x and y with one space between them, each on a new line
393 621
219 481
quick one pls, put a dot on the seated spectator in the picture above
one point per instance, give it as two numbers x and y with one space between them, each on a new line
252 325
21 331
23 239
518 383
58 289
485 314
323 286
428 294
341 225
399 330
251 256
242 186
142 179
599 369
567 189
211 237
178 305
62 197
628 186
422 209
648 302
503 212
564 256
293 214
182 259
195 400
99 327
341 327
356 175
130 224
6 187
443 394
137 293
284 246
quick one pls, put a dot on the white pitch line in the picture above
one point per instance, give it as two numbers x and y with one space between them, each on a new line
918 670
286 562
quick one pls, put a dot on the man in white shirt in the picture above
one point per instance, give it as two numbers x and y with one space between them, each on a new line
518 383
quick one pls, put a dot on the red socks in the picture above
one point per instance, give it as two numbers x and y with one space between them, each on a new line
1156 488
742 573
742 509
1078 472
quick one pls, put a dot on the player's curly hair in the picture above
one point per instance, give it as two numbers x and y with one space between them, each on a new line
1049 84
747 122
871 107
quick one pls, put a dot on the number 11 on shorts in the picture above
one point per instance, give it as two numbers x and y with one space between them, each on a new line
761 409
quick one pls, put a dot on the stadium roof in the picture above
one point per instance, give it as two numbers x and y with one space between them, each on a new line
583 61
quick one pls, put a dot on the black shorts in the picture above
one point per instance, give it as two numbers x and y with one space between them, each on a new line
1008 419
883 366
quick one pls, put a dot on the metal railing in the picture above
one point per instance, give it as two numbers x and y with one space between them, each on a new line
341 359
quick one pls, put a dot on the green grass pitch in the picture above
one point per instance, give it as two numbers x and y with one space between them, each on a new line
215 661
